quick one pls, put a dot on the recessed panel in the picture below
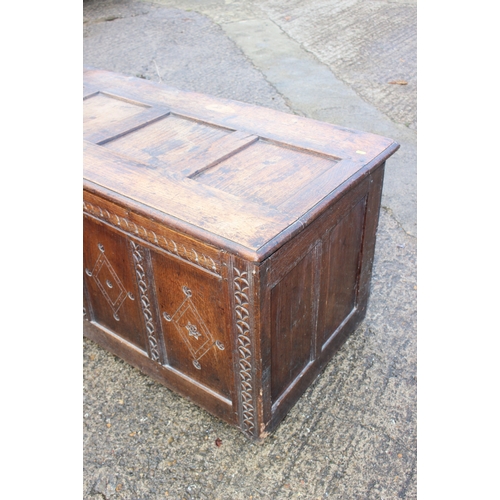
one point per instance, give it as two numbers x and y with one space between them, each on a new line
110 279
266 172
102 112
340 263
167 142
292 327
192 312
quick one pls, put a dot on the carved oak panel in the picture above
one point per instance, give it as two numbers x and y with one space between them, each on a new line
110 279
193 322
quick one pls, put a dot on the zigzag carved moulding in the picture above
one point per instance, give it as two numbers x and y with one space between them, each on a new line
142 283
167 244
241 290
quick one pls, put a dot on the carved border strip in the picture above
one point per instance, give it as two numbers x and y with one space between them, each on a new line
167 244
142 283
244 346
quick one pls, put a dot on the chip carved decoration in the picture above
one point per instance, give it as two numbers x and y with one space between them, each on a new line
142 283
192 329
244 346
108 282
194 332
167 244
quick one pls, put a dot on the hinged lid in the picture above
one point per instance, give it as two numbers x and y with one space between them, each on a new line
240 176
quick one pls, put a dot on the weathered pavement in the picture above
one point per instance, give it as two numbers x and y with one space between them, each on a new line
353 434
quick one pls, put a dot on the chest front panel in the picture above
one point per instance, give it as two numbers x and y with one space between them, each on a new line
164 306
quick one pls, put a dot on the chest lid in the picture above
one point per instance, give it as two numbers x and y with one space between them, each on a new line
240 176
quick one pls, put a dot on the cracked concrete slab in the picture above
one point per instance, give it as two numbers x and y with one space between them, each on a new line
365 44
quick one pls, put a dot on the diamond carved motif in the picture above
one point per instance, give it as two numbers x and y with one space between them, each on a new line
108 282
192 329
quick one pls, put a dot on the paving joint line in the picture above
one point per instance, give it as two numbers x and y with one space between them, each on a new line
335 75
287 101
390 213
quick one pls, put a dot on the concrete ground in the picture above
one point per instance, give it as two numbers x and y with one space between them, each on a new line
353 433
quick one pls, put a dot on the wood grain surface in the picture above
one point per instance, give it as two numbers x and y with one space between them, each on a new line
227 248
234 172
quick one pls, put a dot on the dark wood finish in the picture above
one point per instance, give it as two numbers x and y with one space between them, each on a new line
292 324
340 266
227 248
109 276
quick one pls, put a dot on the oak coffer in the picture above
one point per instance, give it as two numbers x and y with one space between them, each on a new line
228 248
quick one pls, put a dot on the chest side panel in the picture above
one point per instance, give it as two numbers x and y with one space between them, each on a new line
314 294
340 267
292 327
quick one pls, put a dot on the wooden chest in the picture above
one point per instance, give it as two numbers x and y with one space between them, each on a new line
228 248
